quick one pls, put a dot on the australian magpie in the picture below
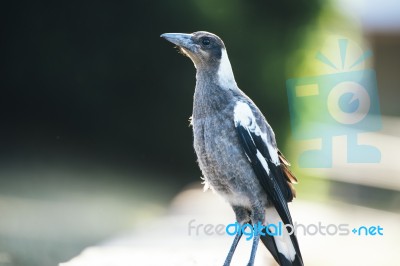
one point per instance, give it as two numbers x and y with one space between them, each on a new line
236 149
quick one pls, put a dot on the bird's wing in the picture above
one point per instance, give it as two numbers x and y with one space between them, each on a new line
268 162
269 165
289 176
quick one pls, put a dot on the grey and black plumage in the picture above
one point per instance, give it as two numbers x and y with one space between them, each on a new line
236 147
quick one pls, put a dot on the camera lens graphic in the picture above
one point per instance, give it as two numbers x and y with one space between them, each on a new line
348 102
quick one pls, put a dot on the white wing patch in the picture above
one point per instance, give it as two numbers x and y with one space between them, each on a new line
244 116
263 161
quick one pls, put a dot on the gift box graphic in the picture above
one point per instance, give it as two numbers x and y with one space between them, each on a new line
342 103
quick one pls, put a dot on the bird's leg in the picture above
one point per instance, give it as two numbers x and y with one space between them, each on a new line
258 216
256 239
232 249
242 216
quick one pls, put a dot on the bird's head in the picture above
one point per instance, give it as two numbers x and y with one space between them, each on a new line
207 51
202 47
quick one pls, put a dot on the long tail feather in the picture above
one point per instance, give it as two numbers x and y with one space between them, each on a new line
284 248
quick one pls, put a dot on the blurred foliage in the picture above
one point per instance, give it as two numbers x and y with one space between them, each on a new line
92 80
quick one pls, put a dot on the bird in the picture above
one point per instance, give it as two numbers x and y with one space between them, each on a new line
237 151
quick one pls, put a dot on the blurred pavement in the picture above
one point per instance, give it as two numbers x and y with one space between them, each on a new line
167 240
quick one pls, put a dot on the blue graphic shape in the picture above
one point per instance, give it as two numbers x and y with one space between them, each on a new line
321 57
343 50
348 103
311 118
362 58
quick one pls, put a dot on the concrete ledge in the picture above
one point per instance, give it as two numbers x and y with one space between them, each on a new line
167 240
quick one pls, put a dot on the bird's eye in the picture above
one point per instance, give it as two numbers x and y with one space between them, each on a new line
206 41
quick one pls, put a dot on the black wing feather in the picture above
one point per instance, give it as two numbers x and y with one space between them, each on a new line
268 182
274 184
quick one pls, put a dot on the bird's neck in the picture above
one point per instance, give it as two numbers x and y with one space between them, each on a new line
215 87
219 72
210 97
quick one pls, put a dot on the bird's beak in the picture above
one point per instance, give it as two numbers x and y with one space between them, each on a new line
182 40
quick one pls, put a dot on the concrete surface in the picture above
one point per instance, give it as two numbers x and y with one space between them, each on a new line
167 240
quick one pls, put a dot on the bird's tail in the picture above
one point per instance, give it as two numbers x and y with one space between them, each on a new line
283 247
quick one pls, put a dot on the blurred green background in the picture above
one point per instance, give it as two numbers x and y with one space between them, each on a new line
94 108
